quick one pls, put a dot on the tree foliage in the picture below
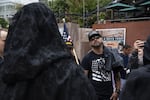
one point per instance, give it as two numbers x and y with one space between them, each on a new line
73 10
3 23
18 6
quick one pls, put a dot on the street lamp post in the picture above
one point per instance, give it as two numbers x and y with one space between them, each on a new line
83 12
98 11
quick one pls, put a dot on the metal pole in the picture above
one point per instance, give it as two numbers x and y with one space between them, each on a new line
98 11
52 4
83 12
64 9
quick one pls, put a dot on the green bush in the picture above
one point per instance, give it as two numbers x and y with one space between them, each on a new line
3 23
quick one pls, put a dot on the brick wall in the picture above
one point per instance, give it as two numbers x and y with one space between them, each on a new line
134 30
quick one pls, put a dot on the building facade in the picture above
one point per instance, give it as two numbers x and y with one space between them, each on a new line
7 9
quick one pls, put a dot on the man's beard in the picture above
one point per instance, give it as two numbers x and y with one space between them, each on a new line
97 45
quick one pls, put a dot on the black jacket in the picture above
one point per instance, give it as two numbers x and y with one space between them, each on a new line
114 60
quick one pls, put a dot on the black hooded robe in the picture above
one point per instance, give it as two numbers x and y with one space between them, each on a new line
37 63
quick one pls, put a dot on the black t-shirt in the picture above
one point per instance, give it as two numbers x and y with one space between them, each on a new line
99 76
1 61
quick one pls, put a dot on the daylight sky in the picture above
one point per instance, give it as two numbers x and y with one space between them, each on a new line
25 1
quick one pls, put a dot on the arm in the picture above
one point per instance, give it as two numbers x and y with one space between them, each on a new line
117 85
117 81
85 63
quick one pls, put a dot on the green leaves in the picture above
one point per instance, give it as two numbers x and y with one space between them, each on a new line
74 9
3 23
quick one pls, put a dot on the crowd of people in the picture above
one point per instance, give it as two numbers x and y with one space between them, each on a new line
137 85
101 61
36 64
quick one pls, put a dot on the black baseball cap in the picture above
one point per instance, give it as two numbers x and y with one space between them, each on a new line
93 33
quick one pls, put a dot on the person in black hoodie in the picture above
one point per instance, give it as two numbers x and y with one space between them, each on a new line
37 63
138 83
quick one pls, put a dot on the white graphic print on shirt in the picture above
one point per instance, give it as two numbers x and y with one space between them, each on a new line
98 70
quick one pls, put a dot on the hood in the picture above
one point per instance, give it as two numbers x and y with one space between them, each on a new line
33 43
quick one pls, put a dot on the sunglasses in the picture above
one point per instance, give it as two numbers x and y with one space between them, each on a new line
94 37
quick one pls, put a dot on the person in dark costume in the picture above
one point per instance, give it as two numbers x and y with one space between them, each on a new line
137 86
37 63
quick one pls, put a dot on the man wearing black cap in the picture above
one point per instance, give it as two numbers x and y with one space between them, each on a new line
99 64
138 83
